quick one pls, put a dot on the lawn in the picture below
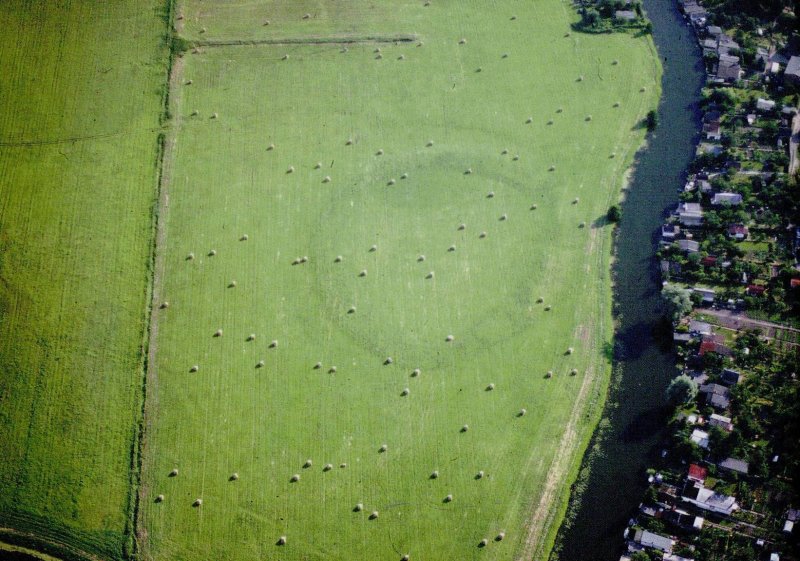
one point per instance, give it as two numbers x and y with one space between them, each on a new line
78 150
289 155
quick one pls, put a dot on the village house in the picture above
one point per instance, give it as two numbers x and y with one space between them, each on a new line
690 214
707 295
697 473
738 232
732 199
734 465
792 72
764 105
700 437
689 246
700 327
707 499
730 377
654 541
720 421
716 396
669 231
712 130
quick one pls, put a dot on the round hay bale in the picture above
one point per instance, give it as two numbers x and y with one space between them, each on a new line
405 557
327 467
373 248
449 339
615 62
415 373
290 169
195 113
317 366
405 392
332 370
318 165
160 499
490 387
421 258
379 152
448 499
462 226
499 537
373 515
560 110
197 503
552 168
260 364
212 253
504 55
549 374
296 261
285 57
434 474
479 475
515 158
351 310
359 507
430 275
573 372
383 448
534 206
467 171
451 248
295 478
616 104
349 142
338 259
580 79
482 235
273 344
612 155
270 147
174 472
234 477
404 176
190 256
377 50
513 18
483 543
529 120
582 225
308 464
343 465
306 16
389 360
464 428
217 333
462 41
503 217
164 305
391 182
479 69
326 179
642 89
548 308
504 152
214 115
194 368
281 540
490 195
569 351
550 122
540 299
363 273
251 337
401 57
588 118
430 143
188 82
522 412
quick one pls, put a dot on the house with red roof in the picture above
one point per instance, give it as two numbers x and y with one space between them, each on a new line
697 473
756 289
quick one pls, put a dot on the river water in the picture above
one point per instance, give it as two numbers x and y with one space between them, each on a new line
643 366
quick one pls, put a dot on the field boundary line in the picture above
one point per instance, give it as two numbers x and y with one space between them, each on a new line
61 550
166 142
310 40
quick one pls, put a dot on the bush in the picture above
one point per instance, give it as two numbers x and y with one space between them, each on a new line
681 390
614 214
651 121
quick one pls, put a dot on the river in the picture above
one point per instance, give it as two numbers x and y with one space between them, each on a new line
643 365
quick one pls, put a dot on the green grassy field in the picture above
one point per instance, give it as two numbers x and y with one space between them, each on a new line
391 189
81 101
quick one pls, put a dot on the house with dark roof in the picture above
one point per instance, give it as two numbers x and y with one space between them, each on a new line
654 541
724 198
792 72
738 232
689 246
728 68
712 130
756 289
730 377
715 395
720 421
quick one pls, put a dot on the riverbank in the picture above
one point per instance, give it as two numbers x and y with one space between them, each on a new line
633 428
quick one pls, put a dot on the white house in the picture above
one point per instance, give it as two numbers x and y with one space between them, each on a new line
726 199
708 500
765 104
690 214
